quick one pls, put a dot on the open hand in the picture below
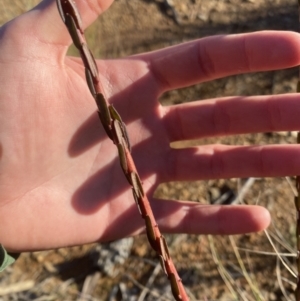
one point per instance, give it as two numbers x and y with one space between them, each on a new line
60 178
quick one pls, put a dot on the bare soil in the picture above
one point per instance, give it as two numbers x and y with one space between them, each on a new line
134 26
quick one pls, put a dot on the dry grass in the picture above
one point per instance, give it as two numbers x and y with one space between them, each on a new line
13 8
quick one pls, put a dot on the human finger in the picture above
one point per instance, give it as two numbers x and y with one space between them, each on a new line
231 116
195 218
222 161
218 56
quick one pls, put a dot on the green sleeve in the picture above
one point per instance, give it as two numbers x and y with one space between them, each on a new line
6 259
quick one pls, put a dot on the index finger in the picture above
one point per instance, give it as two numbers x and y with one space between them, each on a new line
219 56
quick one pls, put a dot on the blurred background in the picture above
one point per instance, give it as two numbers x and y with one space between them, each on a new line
248 267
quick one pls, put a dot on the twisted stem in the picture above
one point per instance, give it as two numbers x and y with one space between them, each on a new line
116 131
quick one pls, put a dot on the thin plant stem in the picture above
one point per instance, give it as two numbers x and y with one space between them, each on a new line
117 132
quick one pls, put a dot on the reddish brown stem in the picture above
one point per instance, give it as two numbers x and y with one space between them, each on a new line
116 131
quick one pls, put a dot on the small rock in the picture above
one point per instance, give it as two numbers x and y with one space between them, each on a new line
107 256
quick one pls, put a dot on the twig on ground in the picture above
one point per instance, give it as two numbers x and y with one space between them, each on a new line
150 281
89 286
243 191
17 287
152 292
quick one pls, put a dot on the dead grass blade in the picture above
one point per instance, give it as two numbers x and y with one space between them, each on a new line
279 256
279 279
253 287
228 280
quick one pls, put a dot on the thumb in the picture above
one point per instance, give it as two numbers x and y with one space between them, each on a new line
44 21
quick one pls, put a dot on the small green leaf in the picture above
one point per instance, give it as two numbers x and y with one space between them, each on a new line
5 259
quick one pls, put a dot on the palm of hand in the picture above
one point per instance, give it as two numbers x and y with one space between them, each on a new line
58 165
